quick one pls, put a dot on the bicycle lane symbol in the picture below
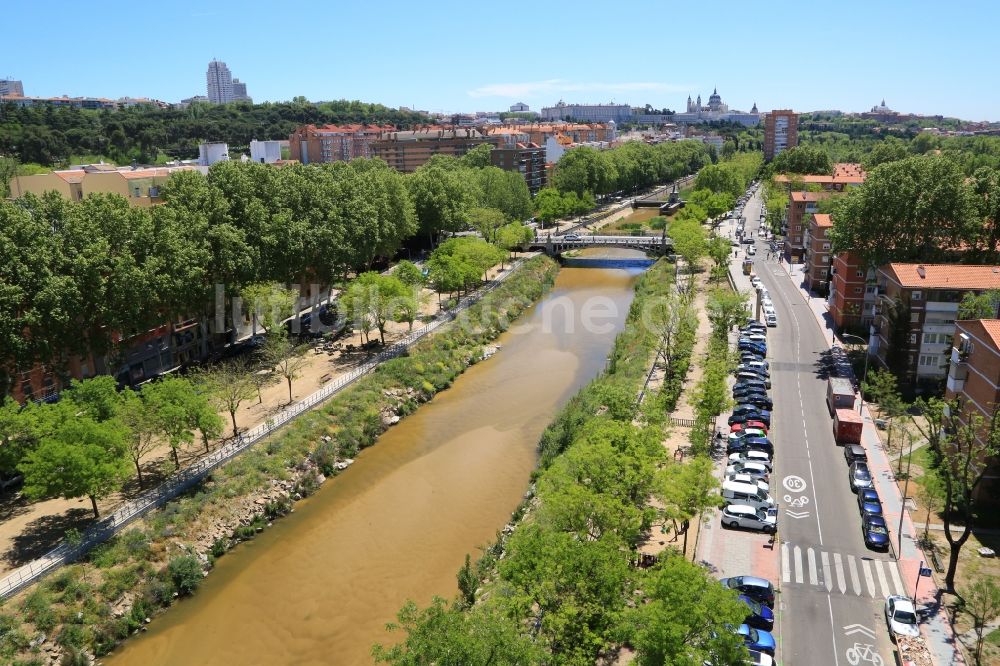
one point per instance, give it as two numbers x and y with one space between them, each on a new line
864 652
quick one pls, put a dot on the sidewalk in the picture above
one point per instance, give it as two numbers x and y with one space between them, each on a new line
937 630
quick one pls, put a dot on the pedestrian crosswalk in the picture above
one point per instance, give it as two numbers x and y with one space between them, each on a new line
843 574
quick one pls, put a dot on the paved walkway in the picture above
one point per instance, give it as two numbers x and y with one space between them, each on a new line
936 629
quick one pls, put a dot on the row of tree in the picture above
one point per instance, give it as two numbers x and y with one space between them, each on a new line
50 136
78 276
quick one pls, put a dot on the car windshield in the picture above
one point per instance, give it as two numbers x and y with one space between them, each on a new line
862 473
752 634
904 617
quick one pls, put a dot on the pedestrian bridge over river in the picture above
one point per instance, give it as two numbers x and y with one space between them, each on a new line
556 245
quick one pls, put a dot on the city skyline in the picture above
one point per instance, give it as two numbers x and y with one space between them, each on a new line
849 60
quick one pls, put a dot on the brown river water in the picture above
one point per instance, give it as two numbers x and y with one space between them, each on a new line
319 586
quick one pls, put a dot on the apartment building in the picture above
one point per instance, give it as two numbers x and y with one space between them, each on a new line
141 186
974 382
408 150
800 204
781 132
853 292
514 151
817 253
916 311
845 175
310 144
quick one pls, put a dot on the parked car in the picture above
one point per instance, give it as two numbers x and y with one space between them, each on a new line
758 658
758 457
735 492
758 589
754 470
753 336
869 503
762 416
751 251
751 518
745 444
901 617
855 453
757 639
751 381
743 375
771 318
759 616
755 399
875 532
737 477
571 237
860 476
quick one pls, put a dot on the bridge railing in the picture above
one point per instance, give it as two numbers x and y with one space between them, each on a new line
128 512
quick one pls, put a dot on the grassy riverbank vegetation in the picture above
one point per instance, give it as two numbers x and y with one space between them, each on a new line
563 588
93 605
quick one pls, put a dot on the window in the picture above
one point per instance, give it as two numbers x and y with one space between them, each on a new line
860 274
826 246
930 338
929 360
917 295
857 290
913 338
914 317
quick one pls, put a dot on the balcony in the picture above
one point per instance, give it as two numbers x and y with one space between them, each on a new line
955 385
959 359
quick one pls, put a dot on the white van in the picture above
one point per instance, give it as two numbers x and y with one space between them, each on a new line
735 492
771 319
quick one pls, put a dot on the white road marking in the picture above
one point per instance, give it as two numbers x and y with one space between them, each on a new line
798 564
827 574
812 567
869 579
786 575
838 562
894 571
833 633
883 583
855 581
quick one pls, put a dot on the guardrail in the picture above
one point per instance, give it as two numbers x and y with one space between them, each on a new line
187 477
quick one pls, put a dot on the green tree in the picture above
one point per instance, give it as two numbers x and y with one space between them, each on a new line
980 306
803 159
229 385
688 619
487 221
442 198
982 605
287 358
585 169
447 636
376 298
550 205
689 488
726 309
478 157
689 240
882 388
505 191
142 427
888 150
409 274
270 304
179 409
80 457
186 574
915 209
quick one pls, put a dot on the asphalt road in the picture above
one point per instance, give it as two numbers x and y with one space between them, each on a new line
832 587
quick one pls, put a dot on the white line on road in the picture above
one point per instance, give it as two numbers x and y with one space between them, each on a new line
894 571
833 632
866 568
798 565
827 574
838 562
855 581
812 567
881 578
786 575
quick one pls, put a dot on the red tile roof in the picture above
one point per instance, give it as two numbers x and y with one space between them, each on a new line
944 276
822 220
992 328
809 196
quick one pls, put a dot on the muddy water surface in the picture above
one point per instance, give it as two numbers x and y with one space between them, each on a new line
319 586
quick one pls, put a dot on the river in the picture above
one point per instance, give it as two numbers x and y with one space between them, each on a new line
319 586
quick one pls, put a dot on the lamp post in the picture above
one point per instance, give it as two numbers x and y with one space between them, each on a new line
864 375
902 509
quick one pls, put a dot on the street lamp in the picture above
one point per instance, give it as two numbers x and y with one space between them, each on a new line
864 375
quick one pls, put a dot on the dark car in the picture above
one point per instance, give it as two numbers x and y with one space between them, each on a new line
757 639
875 531
755 399
752 414
759 616
751 346
869 503
855 453
749 375
750 444
747 382
758 589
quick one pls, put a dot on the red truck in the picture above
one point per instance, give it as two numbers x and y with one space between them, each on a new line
847 426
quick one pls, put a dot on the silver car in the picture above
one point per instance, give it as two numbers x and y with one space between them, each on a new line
860 475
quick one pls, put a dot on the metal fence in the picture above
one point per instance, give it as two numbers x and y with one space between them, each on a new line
187 477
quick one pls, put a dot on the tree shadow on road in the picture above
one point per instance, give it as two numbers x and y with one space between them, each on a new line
833 362
42 535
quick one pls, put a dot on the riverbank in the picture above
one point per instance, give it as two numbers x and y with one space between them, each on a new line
566 564
123 584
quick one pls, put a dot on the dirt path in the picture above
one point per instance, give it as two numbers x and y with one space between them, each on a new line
30 529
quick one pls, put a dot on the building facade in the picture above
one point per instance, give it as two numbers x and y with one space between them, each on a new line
141 187
520 107
220 83
781 132
817 253
407 151
527 159
11 87
588 113
853 292
334 143
916 311
800 204
240 91
265 152
974 383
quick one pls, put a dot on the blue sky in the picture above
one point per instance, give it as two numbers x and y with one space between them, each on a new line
921 57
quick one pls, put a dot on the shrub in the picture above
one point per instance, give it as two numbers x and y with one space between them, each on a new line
74 657
159 591
186 573
219 547
38 609
74 635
